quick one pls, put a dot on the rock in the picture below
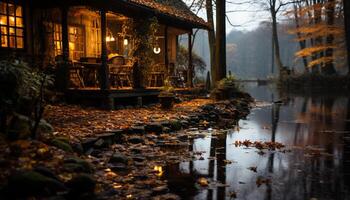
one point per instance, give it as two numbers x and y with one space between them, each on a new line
136 140
88 143
46 172
166 197
80 186
62 145
20 127
175 125
108 138
44 127
31 183
160 190
137 130
136 150
99 143
119 167
78 147
118 157
154 128
74 164
96 153
139 158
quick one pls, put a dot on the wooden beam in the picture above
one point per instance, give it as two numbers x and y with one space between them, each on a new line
104 71
166 55
190 70
65 47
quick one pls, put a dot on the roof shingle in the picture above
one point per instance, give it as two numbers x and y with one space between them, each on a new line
173 8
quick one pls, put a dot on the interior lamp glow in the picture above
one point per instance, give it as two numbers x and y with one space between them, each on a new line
156 50
110 39
126 42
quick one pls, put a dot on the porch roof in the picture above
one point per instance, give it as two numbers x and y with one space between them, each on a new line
172 12
173 8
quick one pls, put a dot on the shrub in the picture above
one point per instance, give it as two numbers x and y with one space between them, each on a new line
21 90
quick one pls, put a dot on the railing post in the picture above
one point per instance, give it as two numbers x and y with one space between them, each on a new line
104 71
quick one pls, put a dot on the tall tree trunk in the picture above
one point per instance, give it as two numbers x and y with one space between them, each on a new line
302 43
317 21
220 47
309 3
347 29
211 39
275 38
329 65
273 12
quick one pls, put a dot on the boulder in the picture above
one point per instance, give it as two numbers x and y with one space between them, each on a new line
118 157
31 183
82 187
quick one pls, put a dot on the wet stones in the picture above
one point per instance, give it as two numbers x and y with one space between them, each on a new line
75 164
135 140
81 187
31 183
154 128
118 157
137 130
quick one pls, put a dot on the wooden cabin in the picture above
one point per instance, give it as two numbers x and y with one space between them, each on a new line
89 44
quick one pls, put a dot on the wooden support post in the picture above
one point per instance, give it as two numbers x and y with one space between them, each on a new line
190 71
104 71
64 71
166 55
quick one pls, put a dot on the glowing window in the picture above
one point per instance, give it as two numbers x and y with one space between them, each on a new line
11 25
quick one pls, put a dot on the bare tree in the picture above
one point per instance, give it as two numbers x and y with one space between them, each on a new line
211 39
220 48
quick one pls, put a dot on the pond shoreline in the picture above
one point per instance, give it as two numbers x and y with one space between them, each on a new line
115 164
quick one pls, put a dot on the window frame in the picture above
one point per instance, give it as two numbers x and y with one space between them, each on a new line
16 3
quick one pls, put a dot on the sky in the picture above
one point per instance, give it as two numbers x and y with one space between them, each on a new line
244 16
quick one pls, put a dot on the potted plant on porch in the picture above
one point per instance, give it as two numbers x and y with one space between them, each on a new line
167 95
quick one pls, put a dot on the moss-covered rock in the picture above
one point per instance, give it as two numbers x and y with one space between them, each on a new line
62 145
75 164
28 184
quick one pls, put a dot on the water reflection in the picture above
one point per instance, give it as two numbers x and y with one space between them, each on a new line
315 128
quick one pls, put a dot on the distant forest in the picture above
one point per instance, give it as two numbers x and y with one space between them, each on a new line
249 53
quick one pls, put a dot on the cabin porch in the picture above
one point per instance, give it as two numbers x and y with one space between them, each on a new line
92 49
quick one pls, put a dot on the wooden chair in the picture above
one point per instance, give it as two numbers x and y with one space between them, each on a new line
157 76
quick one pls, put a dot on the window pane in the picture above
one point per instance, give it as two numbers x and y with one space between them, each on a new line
19 11
12 31
12 42
3 20
19 32
3 9
3 30
12 21
19 22
11 9
4 41
20 42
